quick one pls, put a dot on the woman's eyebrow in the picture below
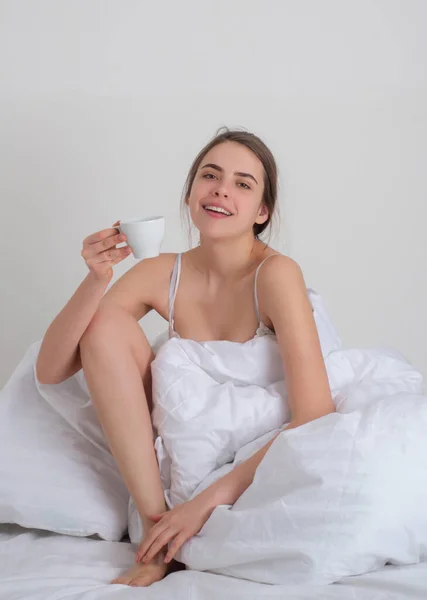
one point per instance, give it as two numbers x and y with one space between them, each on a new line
218 168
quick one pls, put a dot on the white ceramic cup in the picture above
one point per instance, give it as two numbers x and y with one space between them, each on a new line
144 235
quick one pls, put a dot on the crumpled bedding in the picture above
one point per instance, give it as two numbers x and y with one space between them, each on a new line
339 496
63 567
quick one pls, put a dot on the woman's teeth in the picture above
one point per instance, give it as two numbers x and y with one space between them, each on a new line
217 210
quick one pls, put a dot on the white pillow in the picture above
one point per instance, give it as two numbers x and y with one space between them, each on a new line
56 470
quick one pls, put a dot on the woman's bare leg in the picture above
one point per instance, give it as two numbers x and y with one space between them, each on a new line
116 358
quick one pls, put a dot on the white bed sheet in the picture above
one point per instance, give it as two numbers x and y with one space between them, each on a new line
39 565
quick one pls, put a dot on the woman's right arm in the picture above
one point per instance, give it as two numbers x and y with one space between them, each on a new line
59 354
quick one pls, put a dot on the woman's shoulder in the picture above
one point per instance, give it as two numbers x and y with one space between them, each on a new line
280 267
162 260
144 286
280 258
159 268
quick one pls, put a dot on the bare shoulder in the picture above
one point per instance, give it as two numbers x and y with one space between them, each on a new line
280 263
143 287
283 296
281 277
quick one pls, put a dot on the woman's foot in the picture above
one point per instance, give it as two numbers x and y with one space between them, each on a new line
142 574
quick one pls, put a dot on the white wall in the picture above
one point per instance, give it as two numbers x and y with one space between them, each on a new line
104 105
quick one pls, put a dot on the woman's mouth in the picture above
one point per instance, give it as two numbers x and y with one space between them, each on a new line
215 214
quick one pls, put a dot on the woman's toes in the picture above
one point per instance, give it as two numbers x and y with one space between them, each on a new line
121 580
142 574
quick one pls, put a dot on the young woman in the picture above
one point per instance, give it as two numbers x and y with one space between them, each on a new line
223 294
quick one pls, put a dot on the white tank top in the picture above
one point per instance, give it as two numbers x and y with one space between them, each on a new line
262 328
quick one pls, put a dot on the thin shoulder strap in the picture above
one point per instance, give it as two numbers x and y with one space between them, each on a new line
256 277
173 288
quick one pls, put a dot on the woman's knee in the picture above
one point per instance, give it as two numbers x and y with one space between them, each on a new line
115 326
102 326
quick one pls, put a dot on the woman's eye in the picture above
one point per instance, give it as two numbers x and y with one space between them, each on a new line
209 175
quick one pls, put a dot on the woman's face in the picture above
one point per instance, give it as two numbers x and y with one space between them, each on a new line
230 176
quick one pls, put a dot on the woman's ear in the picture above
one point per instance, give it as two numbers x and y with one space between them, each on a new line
263 212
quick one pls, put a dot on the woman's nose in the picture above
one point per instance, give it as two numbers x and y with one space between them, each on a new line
223 193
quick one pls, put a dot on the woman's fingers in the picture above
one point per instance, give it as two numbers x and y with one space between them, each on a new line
105 249
99 236
176 545
112 255
106 243
100 252
158 544
152 535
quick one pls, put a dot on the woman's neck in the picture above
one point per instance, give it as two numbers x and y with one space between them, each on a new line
222 262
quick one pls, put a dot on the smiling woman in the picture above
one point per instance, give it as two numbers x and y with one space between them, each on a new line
258 183
215 206
210 298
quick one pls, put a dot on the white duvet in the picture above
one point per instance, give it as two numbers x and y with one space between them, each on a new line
339 496
37 565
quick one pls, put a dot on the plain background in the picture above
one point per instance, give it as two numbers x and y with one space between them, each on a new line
104 105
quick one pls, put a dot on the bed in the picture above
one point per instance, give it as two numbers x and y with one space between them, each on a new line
345 519
39 565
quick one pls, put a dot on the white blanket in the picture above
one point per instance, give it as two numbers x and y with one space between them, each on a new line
37 565
339 496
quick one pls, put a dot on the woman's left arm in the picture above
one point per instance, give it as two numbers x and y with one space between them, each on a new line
283 295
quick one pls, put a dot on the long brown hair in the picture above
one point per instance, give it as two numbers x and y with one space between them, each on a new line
259 148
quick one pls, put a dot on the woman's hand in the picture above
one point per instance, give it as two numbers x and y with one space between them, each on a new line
180 523
100 252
